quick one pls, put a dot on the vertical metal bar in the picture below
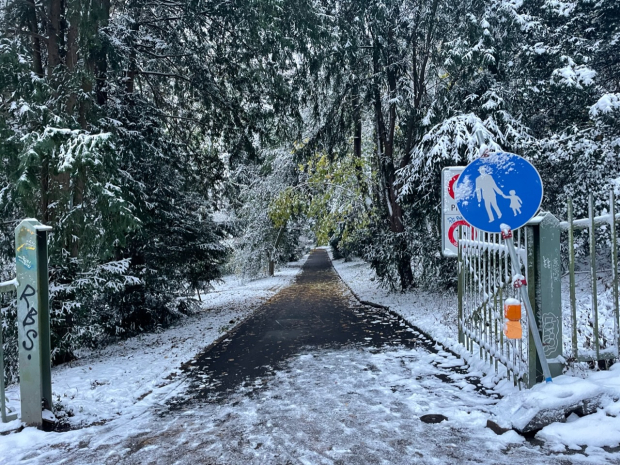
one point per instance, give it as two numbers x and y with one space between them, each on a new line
614 269
3 413
44 321
467 309
506 271
496 358
472 290
593 274
523 245
2 396
501 322
522 236
571 277
482 278
514 361
507 355
467 277
484 332
493 306
530 270
498 314
485 294
461 270
478 267
470 296
480 347
521 361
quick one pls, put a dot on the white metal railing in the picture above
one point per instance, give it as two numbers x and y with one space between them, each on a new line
604 340
485 281
5 287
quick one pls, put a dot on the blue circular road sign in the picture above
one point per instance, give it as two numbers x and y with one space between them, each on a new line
502 188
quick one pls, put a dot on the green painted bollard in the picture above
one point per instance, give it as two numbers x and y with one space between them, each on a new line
546 268
33 319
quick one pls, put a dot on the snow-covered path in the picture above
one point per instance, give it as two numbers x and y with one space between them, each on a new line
353 406
351 403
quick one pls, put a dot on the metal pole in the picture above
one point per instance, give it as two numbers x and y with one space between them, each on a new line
530 275
461 270
33 320
614 268
5 417
593 274
516 270
571 277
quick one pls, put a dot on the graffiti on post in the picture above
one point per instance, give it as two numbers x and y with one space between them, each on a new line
29 320
550 333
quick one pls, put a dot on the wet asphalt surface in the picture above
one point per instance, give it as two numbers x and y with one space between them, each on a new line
315 312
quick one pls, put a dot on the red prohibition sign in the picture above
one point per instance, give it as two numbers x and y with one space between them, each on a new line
453 229
451 185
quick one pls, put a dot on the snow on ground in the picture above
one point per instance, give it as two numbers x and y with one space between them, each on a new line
353 405
436 314
330 406
126 378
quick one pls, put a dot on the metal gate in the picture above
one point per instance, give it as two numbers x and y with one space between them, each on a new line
592 328
485 282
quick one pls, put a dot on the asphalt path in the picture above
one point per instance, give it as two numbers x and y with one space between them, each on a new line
316 312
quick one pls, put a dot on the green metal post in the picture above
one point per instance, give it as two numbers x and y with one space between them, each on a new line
33 320
548 287
44 318
531 319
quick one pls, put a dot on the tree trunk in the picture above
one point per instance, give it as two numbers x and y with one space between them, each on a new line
386 167
132 69
357 141
54 35
71 58
79 186
45 188
272 262
36 42
357 124
101 61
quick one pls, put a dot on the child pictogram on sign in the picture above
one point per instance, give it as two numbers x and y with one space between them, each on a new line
515 202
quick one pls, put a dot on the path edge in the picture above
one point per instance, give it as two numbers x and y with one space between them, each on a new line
438 344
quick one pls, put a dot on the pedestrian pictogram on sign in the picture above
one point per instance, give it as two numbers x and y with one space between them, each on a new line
502 188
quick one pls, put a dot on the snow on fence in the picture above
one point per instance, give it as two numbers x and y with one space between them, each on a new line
595 324
579 321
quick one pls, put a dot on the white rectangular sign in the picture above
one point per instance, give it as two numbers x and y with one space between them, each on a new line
451 219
